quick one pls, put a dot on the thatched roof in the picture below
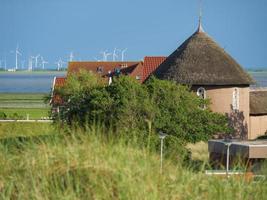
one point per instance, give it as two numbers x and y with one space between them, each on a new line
258 102
201 61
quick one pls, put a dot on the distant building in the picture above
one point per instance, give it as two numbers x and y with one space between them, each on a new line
210 71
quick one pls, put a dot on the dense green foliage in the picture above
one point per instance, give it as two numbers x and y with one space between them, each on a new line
131 108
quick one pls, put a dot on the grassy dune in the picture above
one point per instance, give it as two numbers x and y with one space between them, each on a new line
87 165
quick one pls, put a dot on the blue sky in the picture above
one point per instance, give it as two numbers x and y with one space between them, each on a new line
53 28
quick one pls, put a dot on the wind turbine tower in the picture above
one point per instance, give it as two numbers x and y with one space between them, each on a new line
36 61
43 62
123 54
105 55
30 63
71 57
17 53
114 55
59 64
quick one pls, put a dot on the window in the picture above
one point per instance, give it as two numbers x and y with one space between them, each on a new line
137 77
201 92
235 102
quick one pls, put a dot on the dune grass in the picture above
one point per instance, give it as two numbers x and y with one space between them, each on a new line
199 151
90 165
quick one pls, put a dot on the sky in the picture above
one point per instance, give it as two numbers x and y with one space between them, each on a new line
54 28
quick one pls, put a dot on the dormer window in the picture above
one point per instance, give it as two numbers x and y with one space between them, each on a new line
201 92
117 71
99 69
235 102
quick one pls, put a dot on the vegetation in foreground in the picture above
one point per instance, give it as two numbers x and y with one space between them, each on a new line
140 110
119 159
94 165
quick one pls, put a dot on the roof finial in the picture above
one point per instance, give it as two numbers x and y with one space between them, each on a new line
200 29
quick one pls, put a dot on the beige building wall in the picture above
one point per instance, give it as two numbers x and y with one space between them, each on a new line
221 98
258 125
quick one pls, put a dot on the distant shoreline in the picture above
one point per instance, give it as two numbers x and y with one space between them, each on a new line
35 72
258 71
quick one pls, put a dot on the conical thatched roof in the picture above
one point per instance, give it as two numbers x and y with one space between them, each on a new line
201 61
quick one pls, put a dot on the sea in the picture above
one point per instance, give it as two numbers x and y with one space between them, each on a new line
28 82
41 82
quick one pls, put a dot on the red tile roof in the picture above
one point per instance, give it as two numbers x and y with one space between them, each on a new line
137 73
102 68
58 83
138 70
150 64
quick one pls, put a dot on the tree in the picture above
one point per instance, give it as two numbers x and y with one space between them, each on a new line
135 109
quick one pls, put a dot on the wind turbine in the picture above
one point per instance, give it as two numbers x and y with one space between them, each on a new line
5 62
114 55
17 53
43 62
97 59
30 63
123 54
71 56
105 55
59 64
36 60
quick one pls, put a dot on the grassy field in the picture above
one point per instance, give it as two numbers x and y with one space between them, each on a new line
87 165
14 129
34 113
23 104
20 100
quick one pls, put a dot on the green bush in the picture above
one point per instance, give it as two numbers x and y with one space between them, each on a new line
140 110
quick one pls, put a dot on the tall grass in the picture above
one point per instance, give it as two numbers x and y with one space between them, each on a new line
90 165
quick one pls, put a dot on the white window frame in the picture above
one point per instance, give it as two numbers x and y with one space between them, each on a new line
235 99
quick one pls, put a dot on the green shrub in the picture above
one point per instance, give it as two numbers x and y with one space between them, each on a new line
140 111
